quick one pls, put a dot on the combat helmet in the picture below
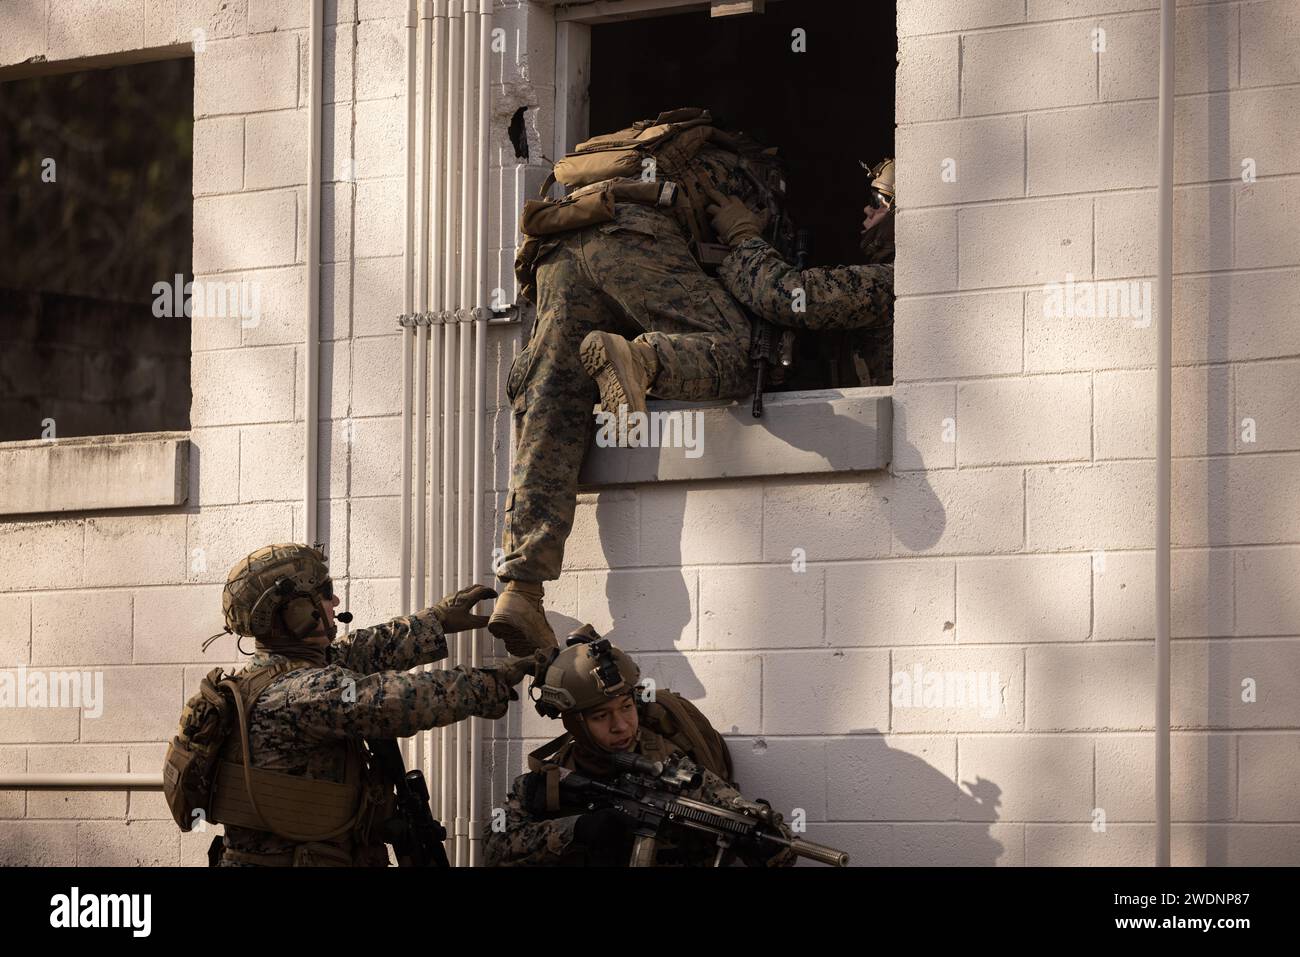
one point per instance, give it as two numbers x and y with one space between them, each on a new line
877 243
588 672
278 592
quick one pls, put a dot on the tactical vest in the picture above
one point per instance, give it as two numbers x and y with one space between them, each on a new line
207 775
670 724
656 162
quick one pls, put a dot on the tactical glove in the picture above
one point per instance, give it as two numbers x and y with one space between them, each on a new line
456 612
606 830
733 221
512 671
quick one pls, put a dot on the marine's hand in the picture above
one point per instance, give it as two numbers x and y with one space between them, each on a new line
733 221
512 671
605 828
456 612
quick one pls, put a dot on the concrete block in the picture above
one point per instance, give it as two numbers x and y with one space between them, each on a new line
13 803
1218 501
1091 149
1025 243
873 777
1088 687
1210 679
244 231
925 420
247 75
1126 232
88 628
380 59
1029 68
1237 316
605 531
376 376
276 150
936 16
377 292
41 554
641 609
78 759
790 773
929 263
1235 845
1040 777
129 843
1203 420
1202 786
1265 234
214 467
820 521
263 378
375 470
24 36
971 510
1227 135
889 603
170 624
135 550
1270 43
375 536
216 18
271 461
140 704
1118 330
928 78
1034 598
696 526
1269 770
1090 506
1205 53
78 28
955 336
761 606
959 845
1124 594
825 692
1078 845
218 155
219 537
1033 419
1267 603
978 689
1266 395
962 161
381 205
381 138
723 686
15 630
38 844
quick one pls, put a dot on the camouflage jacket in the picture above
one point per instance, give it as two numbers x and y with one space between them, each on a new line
304 720
819 299
528 840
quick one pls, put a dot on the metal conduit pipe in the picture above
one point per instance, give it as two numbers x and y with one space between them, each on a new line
452 80
480 362
311 361
464 374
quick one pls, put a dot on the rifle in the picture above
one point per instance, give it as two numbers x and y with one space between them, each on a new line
653 794
769 345
413 831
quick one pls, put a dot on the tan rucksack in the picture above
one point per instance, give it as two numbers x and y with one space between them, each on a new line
683 152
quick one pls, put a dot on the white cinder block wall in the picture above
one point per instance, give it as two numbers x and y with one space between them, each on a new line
1013 533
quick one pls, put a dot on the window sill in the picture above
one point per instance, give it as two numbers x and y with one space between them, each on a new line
95 473
800 433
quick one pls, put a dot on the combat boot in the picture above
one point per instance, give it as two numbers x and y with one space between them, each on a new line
623 370
519 620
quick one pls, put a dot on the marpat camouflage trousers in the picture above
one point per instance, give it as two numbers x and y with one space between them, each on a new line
634 276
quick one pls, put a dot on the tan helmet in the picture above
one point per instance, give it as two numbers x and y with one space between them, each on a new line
278 592
588 673
882 177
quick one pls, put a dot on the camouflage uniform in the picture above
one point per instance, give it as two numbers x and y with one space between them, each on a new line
534 841
838 298
634 276
303 722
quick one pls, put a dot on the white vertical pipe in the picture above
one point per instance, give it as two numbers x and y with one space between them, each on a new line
468 179
410 750
480 364
435 742
1164 454
455 25
408 305
422 331
311 359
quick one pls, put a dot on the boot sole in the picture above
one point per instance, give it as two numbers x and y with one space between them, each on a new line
609 374
517 643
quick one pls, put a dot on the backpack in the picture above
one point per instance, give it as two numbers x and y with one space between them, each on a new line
679 146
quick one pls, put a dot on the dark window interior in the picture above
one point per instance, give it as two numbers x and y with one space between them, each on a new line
825 109
79 255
